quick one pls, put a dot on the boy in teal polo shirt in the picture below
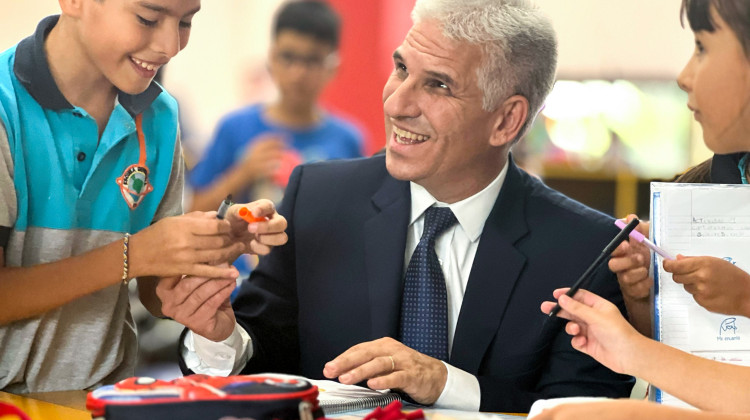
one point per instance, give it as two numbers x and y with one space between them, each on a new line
90 154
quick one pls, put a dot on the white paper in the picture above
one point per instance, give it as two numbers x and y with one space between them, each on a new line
693 220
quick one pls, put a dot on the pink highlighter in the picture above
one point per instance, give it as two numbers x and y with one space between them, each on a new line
638 236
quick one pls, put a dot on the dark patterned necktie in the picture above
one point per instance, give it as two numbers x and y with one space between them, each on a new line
424 309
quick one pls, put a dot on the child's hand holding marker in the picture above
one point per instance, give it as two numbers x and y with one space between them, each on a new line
645 241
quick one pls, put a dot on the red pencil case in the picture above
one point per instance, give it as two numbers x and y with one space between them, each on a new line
203 397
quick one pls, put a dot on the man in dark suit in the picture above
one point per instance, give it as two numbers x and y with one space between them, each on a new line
338 300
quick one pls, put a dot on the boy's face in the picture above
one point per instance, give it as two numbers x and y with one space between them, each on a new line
301 66
127 41
717 80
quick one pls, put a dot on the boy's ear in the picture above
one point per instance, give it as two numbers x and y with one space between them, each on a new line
71 7
510 117
332 67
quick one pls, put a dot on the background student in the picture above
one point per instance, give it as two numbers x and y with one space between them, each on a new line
256 147
90 173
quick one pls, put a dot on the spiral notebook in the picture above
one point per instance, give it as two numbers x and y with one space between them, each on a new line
335 398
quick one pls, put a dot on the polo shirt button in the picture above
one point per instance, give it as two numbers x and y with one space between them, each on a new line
81 156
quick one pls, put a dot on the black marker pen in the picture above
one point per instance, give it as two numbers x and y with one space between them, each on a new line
224 207
622 235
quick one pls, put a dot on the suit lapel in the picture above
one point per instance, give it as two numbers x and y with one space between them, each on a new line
385 241
496 268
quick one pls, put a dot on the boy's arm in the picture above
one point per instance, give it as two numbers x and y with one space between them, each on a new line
187 245
31 291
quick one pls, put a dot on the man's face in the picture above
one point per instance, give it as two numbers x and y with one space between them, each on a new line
301 66
127 41
438 135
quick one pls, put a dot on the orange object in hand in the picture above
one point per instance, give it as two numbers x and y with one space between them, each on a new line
247 216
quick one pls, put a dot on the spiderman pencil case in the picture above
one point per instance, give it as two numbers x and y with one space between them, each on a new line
203 397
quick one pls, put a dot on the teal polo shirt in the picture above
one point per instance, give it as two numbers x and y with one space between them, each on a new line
58 198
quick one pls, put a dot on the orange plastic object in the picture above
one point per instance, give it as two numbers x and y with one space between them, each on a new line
247 216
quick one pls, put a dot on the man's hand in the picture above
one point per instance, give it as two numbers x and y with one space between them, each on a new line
388 364
199 303
716 284
257 237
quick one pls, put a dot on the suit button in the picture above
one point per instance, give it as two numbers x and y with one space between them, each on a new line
81 156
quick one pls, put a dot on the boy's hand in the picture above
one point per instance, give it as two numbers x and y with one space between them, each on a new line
716 284
257 237
191 244
262 157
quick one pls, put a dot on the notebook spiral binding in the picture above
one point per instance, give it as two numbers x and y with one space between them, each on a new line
336 406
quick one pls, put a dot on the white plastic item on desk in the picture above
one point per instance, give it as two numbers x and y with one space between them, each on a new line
541 405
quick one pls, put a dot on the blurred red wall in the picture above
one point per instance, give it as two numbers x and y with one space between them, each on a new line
371 30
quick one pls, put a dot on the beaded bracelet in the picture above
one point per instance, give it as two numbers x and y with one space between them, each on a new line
125 240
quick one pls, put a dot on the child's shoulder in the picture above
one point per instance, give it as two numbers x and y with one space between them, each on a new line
8 97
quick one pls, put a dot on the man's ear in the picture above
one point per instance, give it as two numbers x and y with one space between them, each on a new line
72 8
510 117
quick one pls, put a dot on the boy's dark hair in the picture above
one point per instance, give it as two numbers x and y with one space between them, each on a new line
736 13
310 17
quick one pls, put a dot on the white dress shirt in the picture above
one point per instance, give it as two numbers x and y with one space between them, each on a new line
455 248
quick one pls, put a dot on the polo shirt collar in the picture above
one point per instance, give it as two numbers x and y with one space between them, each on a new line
724 169
32 70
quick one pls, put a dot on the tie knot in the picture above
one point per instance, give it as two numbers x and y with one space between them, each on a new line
436 221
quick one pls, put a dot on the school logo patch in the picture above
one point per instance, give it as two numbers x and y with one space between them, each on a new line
134 185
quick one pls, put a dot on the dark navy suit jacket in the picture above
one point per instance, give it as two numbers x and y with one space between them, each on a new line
338 282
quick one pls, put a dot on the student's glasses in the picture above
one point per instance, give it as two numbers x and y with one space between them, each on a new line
289 59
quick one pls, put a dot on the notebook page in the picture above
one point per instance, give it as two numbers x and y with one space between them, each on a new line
699 219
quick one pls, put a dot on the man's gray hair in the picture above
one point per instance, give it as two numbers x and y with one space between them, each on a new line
518 41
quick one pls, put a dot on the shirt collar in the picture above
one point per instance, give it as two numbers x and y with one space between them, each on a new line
32 70
471 212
